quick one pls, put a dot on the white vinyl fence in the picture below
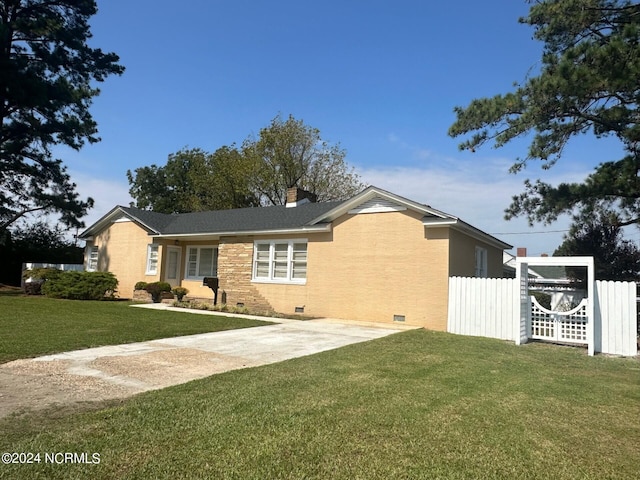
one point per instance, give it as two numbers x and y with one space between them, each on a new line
78 267
490 307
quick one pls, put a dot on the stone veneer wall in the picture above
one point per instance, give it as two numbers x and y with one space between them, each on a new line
235 259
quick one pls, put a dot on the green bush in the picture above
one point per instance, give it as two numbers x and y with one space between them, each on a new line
544 299
156 289
81 285
37 278
140 286
179 292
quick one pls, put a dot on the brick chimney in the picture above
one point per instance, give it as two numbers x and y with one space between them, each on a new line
297 196
521 252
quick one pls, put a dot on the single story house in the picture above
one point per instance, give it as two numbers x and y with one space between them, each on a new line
374 257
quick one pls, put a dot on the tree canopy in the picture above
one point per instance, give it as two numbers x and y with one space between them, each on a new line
289 153
599 234
47 83
193 180
588 83
286 153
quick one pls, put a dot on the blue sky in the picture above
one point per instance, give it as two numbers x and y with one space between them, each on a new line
379 77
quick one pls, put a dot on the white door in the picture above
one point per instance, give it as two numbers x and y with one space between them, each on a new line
172 269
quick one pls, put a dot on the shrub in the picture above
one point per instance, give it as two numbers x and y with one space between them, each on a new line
81 285
37 276
156 289
140 286
544 299
179 292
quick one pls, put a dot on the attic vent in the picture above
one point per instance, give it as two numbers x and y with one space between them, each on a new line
378 205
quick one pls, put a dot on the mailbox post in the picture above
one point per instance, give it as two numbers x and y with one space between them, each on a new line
213 283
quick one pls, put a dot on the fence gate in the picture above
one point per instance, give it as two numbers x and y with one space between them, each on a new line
565 327
537 322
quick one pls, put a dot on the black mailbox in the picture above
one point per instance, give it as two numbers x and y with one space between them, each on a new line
213 283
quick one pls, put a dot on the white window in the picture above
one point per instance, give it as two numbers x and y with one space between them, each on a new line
282 261
481 262
202 262
92 262
152 259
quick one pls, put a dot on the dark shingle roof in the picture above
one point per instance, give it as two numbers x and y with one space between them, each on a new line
155 221
234 220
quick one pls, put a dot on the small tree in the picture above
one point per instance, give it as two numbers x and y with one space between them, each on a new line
600 235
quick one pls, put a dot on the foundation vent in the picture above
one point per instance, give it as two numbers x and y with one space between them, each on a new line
398 318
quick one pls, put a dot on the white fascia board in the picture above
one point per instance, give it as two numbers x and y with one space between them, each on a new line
141 223
439 222
326 227
557 261
112 217
103 222
466 229
368 194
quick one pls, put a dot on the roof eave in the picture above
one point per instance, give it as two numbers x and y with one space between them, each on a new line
464 227
109 218
325 227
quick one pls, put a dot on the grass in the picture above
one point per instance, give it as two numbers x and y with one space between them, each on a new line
34 325
418 404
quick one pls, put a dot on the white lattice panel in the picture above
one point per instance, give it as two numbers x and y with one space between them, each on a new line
573 327
568 327
542 324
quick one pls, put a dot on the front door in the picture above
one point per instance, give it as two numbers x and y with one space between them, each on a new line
172 269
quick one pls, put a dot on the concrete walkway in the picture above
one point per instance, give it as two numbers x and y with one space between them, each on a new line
120 371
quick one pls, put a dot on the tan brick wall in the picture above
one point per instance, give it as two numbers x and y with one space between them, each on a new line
372 267
122 250
463 259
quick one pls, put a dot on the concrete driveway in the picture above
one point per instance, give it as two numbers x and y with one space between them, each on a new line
123 370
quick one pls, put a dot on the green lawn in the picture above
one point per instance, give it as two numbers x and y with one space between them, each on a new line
34 325
418 404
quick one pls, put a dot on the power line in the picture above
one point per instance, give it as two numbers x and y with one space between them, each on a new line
529 233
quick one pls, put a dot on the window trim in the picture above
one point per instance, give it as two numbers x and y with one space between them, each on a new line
150 248
289 280
91 267
186 261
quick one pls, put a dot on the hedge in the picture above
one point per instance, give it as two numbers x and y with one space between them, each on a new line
81 285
